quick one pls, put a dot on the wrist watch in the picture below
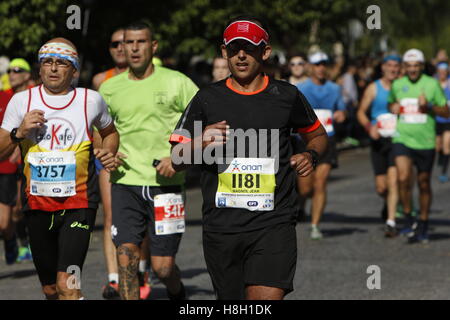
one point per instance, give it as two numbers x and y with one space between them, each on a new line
13 136
314 156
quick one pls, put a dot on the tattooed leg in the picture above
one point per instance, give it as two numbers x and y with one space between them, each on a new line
128 261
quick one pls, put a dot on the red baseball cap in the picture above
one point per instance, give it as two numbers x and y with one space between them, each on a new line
245 30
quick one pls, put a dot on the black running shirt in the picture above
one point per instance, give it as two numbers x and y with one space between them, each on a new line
251 184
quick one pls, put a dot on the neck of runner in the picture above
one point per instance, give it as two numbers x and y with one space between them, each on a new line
20 88
294 79
141 75
386 83
120 69
318 81
415 80
55 92
244 85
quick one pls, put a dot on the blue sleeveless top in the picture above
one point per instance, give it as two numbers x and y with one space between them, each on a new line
447 95
380 104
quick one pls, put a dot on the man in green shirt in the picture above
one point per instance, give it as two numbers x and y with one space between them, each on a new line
146 103
416 98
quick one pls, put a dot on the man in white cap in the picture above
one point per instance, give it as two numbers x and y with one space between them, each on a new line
326 99
416 98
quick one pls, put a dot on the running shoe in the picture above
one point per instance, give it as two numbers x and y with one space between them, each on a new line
443 179
179 296
24 254
11 251
420 235
315 233
144 287
111 291
410 225
390 231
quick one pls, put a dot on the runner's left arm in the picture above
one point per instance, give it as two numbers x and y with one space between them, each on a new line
439 103
340 113
109 136
305 122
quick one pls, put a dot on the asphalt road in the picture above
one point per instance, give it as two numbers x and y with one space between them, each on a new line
333 268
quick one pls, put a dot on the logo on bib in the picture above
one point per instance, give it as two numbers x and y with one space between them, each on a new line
222 202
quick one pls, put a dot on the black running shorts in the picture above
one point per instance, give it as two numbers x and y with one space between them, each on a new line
133 215
59 240
8 189
381 155
422 159
442 127
265 257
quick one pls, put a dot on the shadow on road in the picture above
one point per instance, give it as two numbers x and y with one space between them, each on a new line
329 233
439 236
18 274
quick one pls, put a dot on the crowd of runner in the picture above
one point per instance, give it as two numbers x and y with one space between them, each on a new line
128 140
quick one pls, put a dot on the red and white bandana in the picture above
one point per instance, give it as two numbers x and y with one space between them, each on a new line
245 30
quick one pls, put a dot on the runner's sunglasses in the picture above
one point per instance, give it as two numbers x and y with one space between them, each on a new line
115 44
15 70
236 46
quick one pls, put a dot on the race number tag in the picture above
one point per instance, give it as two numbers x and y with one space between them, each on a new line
169 213
410 113
326 118
247 183
52 173
387 124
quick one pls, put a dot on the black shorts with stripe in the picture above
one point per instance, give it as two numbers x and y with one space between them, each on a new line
133 216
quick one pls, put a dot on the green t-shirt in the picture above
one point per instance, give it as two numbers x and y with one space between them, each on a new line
145 113
414 129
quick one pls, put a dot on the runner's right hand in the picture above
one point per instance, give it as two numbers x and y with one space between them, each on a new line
215 134
373 132
32 120
395 108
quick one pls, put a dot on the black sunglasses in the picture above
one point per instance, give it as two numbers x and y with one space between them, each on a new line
115 44
247 47
15 70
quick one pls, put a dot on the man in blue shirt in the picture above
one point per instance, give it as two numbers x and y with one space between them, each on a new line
326 98
443 124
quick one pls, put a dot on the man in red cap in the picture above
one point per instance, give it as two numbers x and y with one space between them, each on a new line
238 129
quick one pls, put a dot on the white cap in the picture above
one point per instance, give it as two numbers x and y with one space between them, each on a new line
318 57
413 55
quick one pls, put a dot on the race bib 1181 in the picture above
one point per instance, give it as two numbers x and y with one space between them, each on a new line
247 183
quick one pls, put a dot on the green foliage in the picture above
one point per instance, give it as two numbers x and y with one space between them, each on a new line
185 28
24 24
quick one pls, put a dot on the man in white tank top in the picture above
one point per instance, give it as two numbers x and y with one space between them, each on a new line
54 123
